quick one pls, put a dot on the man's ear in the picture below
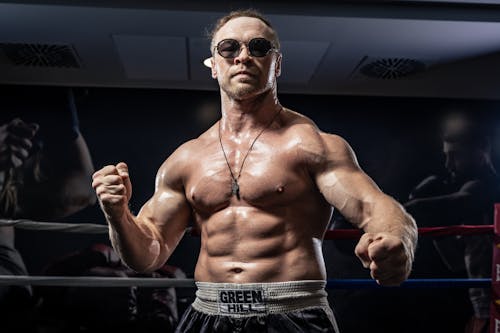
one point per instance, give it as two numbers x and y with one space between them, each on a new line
277 70
212 66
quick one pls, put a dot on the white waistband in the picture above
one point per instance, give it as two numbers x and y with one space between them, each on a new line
253 299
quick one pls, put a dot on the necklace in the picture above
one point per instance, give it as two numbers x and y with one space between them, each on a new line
235 187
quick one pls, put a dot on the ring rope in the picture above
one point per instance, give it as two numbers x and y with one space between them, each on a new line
90 228
89 281
410 284
84 228
95 281
427 231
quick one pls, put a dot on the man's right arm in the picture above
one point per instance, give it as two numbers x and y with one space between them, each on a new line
144 242
473 198
388 244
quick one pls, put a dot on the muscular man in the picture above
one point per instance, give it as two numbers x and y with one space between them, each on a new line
260 185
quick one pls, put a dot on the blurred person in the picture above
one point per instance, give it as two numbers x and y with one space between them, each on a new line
99 309
464 194
45 167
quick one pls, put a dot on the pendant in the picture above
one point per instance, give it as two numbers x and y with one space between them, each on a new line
235 188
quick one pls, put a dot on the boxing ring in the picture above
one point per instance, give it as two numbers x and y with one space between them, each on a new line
339 234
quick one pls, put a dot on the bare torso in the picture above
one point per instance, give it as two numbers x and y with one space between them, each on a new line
274 231
288 184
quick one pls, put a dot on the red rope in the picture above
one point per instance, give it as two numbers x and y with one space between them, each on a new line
433 231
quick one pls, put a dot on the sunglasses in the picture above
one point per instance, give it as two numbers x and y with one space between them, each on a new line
257 47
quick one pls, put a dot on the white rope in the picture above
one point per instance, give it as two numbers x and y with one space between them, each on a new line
97 281
94 281
84 228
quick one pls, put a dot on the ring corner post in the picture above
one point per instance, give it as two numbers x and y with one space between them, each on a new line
495 278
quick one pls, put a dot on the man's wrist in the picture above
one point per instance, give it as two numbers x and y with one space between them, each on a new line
409 240
118 220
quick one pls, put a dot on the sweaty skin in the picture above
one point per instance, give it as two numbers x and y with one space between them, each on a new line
289 182
274 232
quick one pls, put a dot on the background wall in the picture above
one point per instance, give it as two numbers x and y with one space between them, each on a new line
396 140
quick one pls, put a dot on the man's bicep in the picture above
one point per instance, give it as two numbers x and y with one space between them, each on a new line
350 191
343 183
167 213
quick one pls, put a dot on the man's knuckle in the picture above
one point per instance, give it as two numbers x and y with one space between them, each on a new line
108 170
99 191
104 197
110 179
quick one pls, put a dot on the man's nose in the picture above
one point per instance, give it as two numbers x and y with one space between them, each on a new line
244 55
449 164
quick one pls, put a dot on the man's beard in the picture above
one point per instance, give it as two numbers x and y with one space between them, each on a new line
239 92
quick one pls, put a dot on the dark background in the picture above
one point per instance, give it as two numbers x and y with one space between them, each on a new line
396 141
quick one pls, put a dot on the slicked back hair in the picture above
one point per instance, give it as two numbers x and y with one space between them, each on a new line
242 13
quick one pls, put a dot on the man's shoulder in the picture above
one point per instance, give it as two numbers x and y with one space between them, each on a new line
298 124
298 121
178 165
190 150
482 184
196 145
185 153
315 143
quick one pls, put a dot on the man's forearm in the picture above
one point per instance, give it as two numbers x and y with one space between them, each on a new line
409 235
387 215
65 173
139 247
75 192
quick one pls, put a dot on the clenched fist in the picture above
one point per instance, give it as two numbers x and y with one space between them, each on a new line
386 256
16 140
113 189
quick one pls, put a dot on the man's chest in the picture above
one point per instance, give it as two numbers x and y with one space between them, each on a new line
267 176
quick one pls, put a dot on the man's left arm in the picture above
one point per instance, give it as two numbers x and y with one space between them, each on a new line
59 184
388 244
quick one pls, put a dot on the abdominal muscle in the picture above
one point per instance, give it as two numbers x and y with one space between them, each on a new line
247 245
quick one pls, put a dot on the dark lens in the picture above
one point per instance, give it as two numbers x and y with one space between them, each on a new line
228 48
259 47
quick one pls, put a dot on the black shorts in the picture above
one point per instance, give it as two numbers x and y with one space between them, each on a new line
301 321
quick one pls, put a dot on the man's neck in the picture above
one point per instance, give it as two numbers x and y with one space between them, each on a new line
240 117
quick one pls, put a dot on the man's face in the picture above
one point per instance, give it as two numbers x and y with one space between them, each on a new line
461 160
245 76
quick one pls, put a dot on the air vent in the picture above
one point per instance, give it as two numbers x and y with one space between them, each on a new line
41 55
392 68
